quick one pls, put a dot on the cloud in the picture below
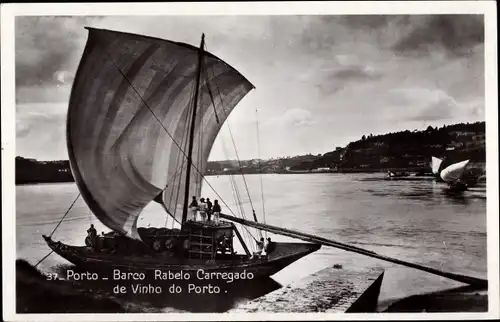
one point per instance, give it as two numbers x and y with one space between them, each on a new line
295 117
366 21
428 104
41 131
45 46
356 73
298 117
47 50
443 109
456 34
22 129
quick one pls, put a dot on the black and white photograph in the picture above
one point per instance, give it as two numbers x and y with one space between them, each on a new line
249 161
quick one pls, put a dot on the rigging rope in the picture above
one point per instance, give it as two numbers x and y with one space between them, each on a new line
43 258
236 194
161 124
166 131
67 211
232 138
177 175
244 233
60 221
260 168
184 141
200 150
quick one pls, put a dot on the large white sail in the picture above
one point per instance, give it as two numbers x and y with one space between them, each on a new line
454 172
128 114
436 163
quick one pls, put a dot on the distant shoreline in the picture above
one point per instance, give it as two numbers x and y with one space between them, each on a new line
404 151
344 171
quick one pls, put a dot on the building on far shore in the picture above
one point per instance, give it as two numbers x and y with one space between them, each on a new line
321 169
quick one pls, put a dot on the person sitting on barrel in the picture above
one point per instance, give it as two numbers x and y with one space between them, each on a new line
228 245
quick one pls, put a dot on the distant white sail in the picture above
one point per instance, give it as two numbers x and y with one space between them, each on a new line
436 163
454 172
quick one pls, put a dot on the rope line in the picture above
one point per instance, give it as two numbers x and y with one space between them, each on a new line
43 258
260 169
184 142
161 124
236 194
232 138
67 211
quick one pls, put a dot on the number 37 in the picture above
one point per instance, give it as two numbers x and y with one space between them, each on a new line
51 276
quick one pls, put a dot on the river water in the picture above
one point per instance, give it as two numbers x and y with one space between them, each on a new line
416 221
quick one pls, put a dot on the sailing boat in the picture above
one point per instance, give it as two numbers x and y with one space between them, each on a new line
142 118
453 174
436 167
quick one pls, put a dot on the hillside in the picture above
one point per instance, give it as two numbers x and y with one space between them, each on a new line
407 149
33 171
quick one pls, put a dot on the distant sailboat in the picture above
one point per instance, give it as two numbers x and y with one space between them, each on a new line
453 175
436 164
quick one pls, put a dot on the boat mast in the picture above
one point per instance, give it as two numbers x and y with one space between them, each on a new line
191 134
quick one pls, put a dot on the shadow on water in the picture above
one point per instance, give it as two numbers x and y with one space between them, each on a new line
189 299
436 192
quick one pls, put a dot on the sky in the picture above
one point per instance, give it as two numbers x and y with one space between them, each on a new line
321 81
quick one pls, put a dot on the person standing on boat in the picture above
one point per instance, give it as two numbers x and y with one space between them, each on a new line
194 207
203 210
260 248
216 211
92 235
92 231
209 209
264 247
269 245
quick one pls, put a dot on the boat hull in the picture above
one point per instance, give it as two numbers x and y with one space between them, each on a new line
457 187
84 258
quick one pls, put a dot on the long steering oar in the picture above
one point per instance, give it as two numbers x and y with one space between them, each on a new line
327 242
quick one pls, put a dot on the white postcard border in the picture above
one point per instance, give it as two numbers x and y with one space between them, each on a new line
8 13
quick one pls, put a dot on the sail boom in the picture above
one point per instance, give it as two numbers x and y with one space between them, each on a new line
327 242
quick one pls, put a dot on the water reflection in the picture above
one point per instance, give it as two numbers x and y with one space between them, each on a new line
434 192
